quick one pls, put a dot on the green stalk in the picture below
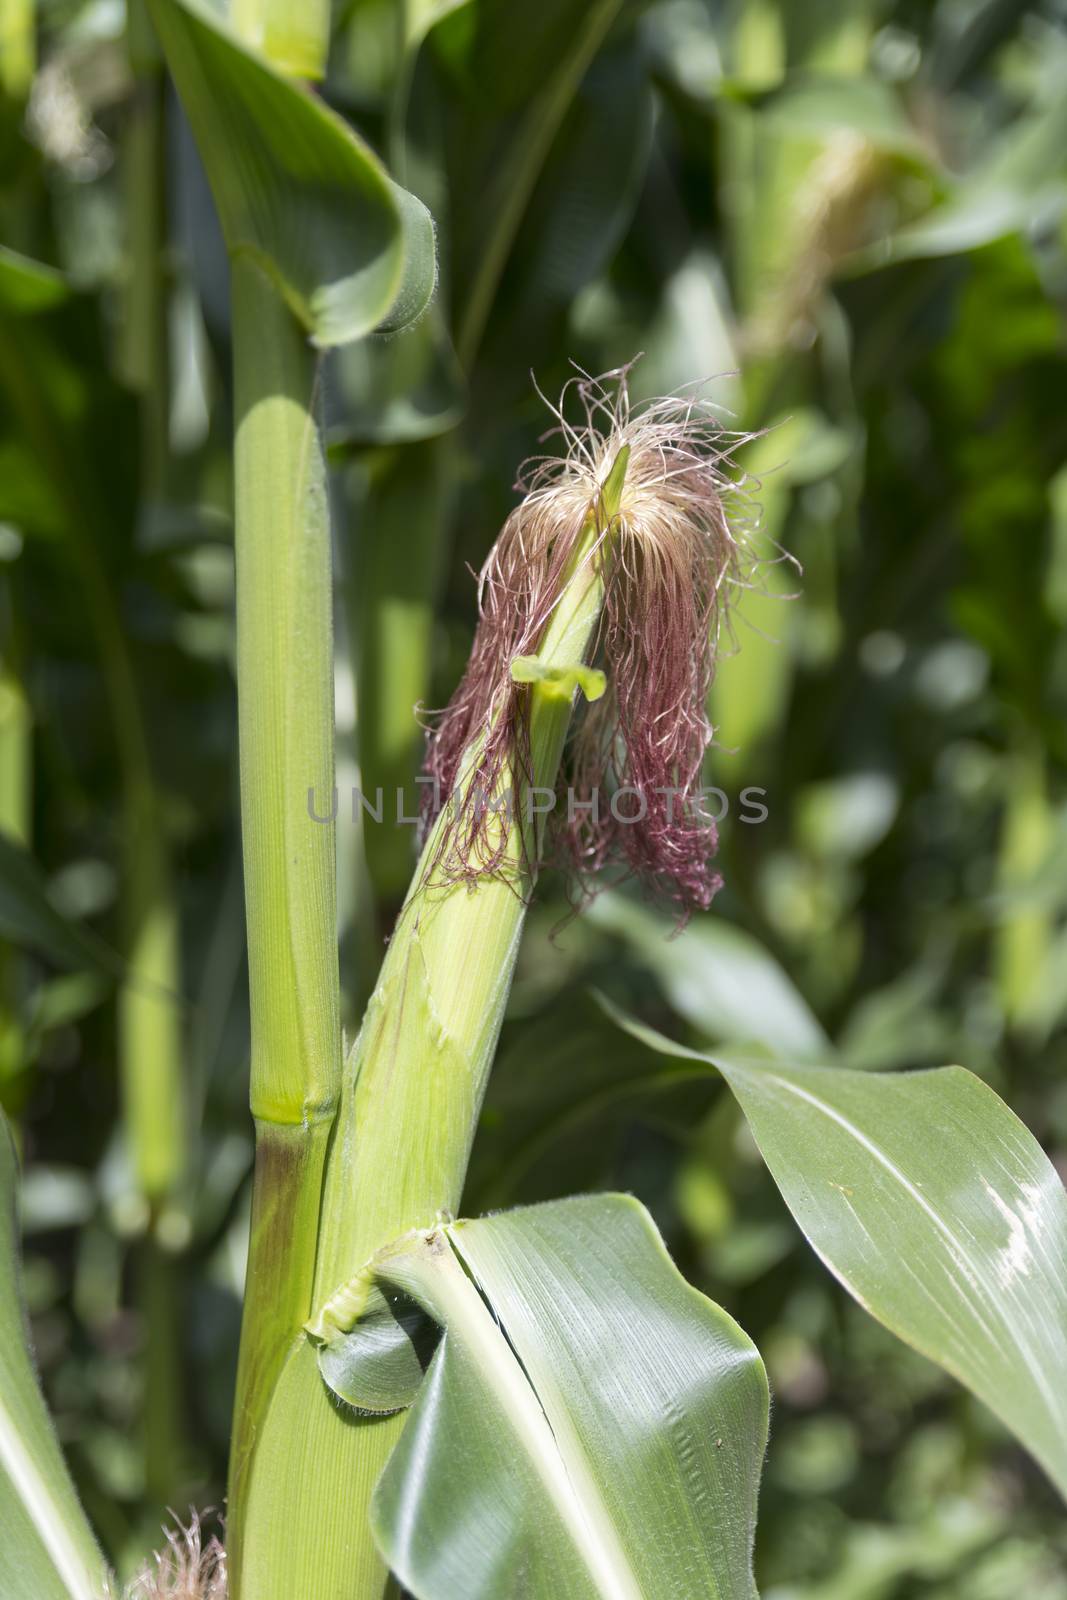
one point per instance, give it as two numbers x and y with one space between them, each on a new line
412 1092
1024 934
18 47
148 1025
161 1297
150 1046
391 606
16 773
143 351
151 1054
286 724
156 1130
157 1136
285 704
16 757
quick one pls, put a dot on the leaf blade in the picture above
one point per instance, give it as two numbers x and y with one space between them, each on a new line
296 188
717 977
28 917
630 1476
49 1550
921 1210
881 1171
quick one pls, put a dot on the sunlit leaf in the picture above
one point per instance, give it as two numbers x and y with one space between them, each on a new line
940 1213
48 1548
27 285
717 977
1022 183
937 1210
295 187
590 1425
565 1086
28 917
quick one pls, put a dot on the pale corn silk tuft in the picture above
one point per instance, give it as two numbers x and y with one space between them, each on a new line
190 1568
683 541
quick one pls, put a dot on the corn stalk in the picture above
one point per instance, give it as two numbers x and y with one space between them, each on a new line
285 697
413 1087
285 710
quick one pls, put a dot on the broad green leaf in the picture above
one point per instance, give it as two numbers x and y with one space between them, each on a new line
585 198
940 1213
295 187
717 977
590 1425
937 1210
397 389
28 917
564 1086
828 106
27 285
1024 182
48 1548
518 71
398 500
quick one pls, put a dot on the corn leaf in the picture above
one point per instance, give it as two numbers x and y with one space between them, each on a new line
398 388
590 1426
48 1548
1020 184
566 1087
27 286
28 917
937 1210
517 71
295 187
718 978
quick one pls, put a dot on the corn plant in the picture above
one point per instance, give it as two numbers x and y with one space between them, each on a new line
533 1401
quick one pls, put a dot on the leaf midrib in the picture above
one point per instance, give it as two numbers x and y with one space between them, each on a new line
958 1252
42 1509
565 1475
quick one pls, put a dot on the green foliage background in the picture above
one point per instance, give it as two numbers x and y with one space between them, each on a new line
851 218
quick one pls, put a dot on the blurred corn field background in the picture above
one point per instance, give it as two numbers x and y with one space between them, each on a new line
852 219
